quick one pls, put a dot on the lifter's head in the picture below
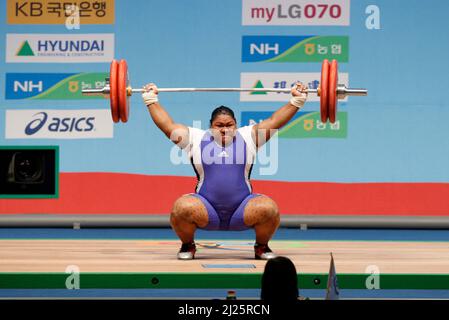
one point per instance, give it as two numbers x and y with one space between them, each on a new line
223 125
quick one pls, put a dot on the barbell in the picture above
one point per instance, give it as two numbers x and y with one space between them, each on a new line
118 90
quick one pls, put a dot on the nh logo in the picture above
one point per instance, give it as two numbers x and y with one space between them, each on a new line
263 48
28 86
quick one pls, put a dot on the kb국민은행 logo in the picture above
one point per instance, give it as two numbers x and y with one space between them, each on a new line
294 48
60 48
56 12
57 86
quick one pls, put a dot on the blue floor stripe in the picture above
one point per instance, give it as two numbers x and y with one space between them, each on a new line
281 234
215 293
228 266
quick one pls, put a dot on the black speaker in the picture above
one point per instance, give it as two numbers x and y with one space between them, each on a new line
26 171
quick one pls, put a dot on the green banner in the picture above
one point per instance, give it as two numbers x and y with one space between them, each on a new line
70 88
316 49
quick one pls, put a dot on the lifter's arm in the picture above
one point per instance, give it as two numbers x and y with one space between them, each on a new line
176 132
264 130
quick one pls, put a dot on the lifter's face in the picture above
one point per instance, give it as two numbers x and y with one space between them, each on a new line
223 129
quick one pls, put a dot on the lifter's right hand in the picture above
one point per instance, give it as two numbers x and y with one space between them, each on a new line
299 95
150 94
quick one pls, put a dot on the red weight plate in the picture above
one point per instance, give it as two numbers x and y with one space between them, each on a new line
324 91
113 93
333 81
122 90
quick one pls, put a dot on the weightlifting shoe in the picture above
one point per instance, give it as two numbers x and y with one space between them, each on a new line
263 252
187 251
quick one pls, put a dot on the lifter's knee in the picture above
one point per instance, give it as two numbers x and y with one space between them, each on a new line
188 209
261 210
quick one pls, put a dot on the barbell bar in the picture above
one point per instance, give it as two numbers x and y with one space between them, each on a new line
342 90
118 90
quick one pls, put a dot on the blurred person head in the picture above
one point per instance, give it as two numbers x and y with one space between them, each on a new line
279 280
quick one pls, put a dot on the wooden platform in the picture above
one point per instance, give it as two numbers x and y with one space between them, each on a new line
22 258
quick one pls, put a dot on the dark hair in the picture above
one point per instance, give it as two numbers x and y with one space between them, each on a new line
279 280
221 110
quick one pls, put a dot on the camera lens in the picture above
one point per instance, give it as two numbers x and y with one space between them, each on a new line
25 169
28 167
